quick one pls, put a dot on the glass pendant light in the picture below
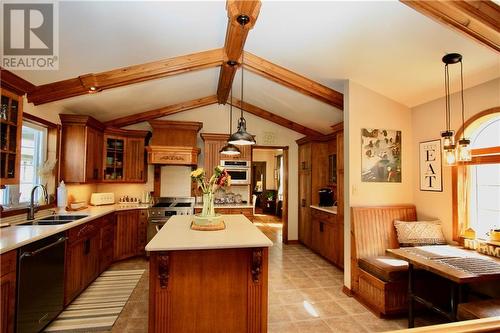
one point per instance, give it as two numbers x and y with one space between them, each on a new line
448 134
464 153
230 149
241 137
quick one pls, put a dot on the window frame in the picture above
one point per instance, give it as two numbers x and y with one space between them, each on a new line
490 155
51 128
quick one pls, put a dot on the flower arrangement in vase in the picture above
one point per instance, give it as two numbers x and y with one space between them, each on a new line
219 179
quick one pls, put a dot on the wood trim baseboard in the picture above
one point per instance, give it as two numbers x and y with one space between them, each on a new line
347 291
292 242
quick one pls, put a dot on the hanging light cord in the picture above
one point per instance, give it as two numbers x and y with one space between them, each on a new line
463 105
231 112
447 96
241 102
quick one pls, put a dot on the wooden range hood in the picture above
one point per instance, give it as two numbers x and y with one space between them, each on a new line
174 142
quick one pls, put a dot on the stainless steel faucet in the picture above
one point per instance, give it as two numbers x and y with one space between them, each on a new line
33 208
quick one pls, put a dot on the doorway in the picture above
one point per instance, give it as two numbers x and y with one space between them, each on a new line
269 189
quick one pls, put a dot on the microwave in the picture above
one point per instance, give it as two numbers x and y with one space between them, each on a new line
238 170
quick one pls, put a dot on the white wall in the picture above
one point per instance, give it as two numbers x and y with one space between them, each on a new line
365 108
215 120
428 122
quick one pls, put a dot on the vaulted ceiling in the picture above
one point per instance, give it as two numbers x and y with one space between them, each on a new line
385 46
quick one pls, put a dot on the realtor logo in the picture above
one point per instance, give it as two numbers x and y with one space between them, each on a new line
30 36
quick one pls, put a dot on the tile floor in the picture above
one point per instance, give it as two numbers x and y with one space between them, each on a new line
305 294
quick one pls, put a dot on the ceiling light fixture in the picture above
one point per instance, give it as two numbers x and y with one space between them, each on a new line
449 146
230 149
242 137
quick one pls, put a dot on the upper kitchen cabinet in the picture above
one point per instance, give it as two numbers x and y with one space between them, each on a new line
81 149
213 144
11 115
124 156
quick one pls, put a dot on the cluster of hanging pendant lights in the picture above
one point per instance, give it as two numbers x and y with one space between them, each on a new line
241 137
451 151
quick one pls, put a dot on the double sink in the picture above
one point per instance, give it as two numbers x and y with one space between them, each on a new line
55 220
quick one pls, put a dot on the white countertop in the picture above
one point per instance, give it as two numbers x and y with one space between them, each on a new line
235 206
16 236
331 209
176 234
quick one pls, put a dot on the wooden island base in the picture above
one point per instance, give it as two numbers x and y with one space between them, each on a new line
214 290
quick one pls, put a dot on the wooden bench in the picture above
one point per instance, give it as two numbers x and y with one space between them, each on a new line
379 281
479 309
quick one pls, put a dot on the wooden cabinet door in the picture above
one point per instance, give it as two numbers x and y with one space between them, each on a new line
338 235
212 156
8 291
316 235
11 114
305 157
142 231
107 242
304 209
126 234
91 247
74 276
329 245
93 167
134 160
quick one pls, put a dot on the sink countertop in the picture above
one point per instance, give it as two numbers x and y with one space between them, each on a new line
16 235
176 234
236 206
326 209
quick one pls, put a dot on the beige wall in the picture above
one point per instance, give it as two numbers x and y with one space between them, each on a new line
365 108
428 122
268 156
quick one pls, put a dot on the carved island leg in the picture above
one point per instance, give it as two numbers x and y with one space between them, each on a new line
159 300
257 291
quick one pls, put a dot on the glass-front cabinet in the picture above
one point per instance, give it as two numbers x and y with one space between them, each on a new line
10 137
115 158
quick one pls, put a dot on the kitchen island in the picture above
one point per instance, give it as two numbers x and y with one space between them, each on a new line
208 281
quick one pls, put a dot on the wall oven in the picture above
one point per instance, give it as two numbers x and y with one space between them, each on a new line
238 170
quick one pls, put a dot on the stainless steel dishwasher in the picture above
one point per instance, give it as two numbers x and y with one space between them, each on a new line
40 283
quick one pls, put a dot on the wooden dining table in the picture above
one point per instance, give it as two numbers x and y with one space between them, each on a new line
456 264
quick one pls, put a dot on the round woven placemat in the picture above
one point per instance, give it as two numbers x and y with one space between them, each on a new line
213 227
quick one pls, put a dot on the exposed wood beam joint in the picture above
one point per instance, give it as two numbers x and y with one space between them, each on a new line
161 112
274 118
91 83
479 20
293 80
236 35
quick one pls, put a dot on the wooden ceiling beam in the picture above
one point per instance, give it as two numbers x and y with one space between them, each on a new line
293 80
91 83
236 36
479 20
274 118
161 112
14 83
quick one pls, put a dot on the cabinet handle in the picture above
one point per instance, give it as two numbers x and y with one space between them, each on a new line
303 202
321 227
142 175
96 173
303 165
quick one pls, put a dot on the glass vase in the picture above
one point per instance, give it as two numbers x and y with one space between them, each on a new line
208 205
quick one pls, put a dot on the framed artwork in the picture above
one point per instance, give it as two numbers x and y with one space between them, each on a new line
380 155
430 166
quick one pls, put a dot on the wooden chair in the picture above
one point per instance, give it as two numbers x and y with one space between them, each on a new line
382 289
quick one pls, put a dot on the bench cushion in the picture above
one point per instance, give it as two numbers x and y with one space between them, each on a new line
384 267
479 309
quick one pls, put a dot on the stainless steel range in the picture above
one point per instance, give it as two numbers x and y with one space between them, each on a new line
165 207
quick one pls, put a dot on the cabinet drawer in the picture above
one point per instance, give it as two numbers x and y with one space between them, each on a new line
323 216
8 262
82 231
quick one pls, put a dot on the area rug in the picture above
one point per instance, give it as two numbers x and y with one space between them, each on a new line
98 307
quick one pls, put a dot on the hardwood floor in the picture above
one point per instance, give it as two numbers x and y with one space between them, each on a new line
305 294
